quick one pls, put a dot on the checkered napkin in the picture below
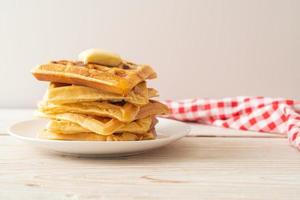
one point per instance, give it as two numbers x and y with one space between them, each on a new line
261 114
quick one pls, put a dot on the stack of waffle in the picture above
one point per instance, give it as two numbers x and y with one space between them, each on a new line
101 97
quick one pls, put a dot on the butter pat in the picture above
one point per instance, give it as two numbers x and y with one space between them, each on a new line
100 57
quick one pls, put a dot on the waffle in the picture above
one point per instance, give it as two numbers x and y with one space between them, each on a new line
67 127
124 112
102 125
65 93
125 136
118 80
153 108
99 98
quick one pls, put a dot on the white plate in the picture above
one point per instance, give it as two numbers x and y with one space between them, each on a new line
167 131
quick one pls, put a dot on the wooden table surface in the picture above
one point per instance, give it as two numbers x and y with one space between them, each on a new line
230 165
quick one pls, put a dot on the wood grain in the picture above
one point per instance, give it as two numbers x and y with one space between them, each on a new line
192 168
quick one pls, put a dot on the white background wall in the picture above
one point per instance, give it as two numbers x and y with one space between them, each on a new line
210 48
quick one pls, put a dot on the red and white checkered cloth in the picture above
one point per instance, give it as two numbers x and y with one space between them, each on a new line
244 113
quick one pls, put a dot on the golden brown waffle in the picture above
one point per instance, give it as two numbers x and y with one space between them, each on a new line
125 136
87 100
101 125
65 93
153 108
124 112
118 80
67 127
